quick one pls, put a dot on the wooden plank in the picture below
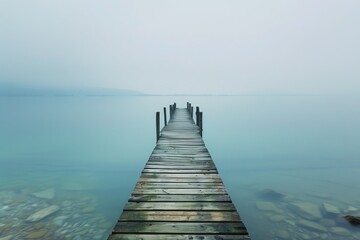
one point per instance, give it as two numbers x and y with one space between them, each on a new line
180 165
187 160
180 228
183 206
180 142
179 185
173 179
181 152
180 198
178 154
176 237
180 157
178 191
180 147
189 175
178 171
180 216
163 149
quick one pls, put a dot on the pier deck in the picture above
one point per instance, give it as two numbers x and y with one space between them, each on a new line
179 194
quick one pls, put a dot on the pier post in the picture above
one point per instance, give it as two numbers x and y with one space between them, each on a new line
165 117
197 115
192 112
201 123
157 126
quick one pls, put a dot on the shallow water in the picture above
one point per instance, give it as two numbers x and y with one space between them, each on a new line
84 155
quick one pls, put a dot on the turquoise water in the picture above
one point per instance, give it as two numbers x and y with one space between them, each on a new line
83 155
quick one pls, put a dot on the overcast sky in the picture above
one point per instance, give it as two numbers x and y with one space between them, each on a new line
185 46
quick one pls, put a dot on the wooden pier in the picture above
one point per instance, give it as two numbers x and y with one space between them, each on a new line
179 194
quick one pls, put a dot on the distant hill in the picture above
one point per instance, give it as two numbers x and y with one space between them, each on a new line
7 89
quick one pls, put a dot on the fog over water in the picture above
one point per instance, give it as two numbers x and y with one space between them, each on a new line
160 46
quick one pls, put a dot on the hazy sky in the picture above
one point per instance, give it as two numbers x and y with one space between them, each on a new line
185 46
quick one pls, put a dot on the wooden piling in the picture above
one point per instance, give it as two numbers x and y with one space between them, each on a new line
201 123
165 117
157 126
197 115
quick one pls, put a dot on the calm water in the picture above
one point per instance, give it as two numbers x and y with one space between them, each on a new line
291 163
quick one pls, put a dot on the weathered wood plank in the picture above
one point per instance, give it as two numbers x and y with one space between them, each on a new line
191 160
186 148
178 171
178 185
180 198
185 157
179 166
189 175
181 147
181 152
178 191
176 237
185 180
180 216
180 228
183 206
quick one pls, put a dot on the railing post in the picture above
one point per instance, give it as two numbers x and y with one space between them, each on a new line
157 126
165 117
201 123
192 112
197 115
170 110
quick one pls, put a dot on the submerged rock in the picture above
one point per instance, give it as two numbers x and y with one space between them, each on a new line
312 225
271 194
47 194
268 206
330 209
60 220
307 210
277 218
88 209
43 213
282 234
352 220
7 237
37 234
340 231
327 222
352 209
